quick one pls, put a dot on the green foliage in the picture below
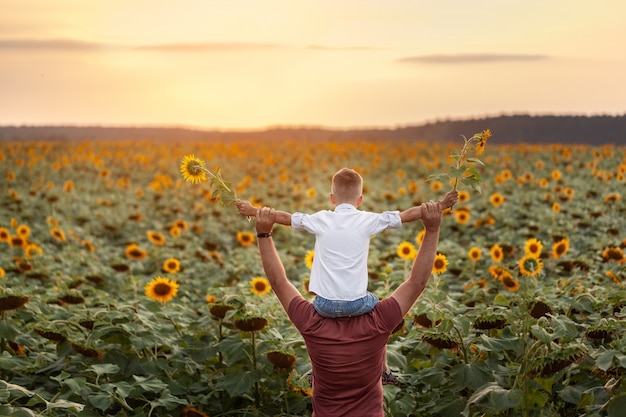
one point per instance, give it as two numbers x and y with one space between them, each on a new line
109 350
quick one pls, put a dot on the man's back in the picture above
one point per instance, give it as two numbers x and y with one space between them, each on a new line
347 355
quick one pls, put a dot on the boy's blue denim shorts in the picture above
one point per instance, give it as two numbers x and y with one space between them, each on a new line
339 308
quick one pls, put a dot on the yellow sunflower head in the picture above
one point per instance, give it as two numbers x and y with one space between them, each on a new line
193 169
474 254
161 289
245 238
496 199
496 252
171 265
441 264
308 259
510 283
260 286
533 247
406 251
530 266
560 248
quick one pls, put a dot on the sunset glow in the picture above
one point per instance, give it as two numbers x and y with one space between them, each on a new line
252 64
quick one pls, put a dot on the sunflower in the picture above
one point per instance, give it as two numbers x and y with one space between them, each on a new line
2 272
510 283
406 251
18 241
462 216
498 272
436 185
474 254
497 254
612 198
420 237
57 234
260 286
161 289
530 266
496 199
310 192
245 238
555 175
23 230
135 252
556 207
441 264
308 259
68 187
31 250
192 412
463 196
155 237
193 169
533 247
560 248
614 254
5 235
12 302
171 265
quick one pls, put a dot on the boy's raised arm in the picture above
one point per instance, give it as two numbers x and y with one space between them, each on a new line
247 209
416 212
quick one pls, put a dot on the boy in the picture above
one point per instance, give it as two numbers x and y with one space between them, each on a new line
339 273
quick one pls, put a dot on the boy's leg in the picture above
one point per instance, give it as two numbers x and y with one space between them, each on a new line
339 308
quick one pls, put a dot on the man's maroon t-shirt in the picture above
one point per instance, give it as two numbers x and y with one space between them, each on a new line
347 356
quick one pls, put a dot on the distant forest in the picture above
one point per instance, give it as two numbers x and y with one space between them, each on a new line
514 129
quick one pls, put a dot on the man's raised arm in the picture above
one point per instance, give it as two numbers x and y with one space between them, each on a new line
272 265
408 292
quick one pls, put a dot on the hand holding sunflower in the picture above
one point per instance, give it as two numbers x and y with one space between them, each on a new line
463 168
194 171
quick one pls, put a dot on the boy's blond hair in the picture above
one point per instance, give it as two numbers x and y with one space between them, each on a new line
347 186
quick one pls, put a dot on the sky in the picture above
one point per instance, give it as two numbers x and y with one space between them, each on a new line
252 64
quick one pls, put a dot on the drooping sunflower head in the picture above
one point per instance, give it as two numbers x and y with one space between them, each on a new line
193 169
406 250
530 266
510 283
161 289
441 264
533 247
260 286
133 251
614 254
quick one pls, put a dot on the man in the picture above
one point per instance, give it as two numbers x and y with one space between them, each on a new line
347 353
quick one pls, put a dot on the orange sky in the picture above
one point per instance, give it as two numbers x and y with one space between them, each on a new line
249 64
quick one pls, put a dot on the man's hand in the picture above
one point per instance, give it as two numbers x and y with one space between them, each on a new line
431 215
246 208
449 199
265 219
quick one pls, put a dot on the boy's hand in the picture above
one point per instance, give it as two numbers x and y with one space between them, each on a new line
246 208
449 199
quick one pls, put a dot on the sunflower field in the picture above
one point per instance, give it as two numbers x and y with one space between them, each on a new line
127 291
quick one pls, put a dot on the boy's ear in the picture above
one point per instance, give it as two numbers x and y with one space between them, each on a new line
359 201
332 199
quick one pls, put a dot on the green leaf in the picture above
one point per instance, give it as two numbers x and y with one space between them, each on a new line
605 360
149 384
107 368
237 384
616 406
472 376
501 300
476 161
101 401
6 410
7 331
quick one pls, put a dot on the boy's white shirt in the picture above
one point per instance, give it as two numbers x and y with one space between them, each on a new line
342 239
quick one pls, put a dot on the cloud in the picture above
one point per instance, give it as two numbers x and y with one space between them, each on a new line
470 58
205 47
342 48
49 44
